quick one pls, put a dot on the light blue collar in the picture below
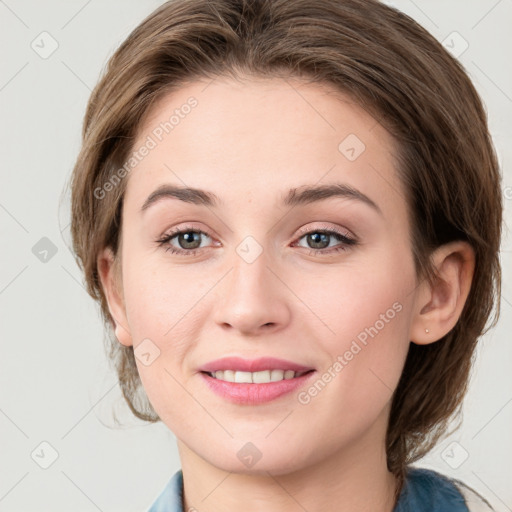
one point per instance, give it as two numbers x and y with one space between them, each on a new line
424 491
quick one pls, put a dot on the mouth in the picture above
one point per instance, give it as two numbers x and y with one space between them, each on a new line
254 381
255 388
259 377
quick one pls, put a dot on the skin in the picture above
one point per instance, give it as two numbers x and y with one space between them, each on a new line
249 141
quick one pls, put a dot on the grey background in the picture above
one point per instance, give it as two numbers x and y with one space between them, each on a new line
55 384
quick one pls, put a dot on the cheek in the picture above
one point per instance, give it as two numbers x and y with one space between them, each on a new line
160 300
365 321
160 308
347 301
164 305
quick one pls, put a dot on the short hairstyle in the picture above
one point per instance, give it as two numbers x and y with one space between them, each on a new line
387 64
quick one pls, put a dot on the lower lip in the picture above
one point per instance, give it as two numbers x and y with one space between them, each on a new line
253 394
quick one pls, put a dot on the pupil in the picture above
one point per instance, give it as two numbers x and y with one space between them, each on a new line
319 238
189 238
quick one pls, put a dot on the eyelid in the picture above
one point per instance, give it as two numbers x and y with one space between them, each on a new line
304 230
183 229
341 231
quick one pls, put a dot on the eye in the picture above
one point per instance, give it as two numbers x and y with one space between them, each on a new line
318 240
186 240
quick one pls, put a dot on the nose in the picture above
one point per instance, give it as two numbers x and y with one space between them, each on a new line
252 299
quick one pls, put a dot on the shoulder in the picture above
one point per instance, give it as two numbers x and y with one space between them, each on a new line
171 497
427 490
474 501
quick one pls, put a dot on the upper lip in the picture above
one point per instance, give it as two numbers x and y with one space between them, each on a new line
253 365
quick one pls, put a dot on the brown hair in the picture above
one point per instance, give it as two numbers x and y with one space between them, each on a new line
390 66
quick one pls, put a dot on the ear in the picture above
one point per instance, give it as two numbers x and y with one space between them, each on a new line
438 307
110 277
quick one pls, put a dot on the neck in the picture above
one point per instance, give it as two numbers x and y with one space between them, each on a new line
351 479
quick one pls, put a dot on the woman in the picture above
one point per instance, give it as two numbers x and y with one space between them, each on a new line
290 214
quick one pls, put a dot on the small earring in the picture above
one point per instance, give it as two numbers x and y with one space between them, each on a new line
427 331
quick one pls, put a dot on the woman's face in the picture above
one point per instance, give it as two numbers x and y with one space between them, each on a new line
263 268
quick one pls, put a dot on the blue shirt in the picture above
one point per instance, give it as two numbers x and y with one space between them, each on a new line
424 491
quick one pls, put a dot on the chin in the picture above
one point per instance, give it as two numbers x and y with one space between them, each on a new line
262 467
258 457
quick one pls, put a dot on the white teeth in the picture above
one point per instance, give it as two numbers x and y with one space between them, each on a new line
243 377
261 377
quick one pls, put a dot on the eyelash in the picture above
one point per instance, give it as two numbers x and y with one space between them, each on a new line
341 237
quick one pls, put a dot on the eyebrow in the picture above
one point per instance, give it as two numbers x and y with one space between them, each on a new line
294 197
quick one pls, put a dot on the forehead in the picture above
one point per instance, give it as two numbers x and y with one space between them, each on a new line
254 139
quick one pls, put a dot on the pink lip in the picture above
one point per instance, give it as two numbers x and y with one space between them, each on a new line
252 365
253 394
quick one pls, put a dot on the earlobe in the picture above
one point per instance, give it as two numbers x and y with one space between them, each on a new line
110 282
438 306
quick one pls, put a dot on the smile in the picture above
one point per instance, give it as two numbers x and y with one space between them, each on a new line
253 388
260 377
